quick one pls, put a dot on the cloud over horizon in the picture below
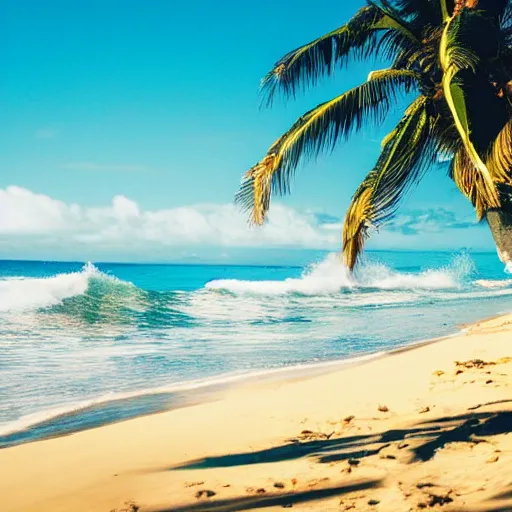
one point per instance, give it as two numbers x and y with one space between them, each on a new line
33 224
123 226
430 220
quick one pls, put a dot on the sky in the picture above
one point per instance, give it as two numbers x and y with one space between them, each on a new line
126 126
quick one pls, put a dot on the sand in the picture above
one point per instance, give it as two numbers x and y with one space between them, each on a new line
409 431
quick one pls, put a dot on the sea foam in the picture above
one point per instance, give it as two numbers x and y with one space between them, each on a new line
331 276
21 294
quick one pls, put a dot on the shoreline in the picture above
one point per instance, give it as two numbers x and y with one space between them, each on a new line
45 425
405 429
185 395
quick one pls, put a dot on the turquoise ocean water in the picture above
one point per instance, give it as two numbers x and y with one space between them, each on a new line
86 344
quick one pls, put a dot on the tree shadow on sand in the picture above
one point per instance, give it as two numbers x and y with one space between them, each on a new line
422 441
436 433
284 500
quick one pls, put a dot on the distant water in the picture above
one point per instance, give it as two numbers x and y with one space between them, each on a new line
82 345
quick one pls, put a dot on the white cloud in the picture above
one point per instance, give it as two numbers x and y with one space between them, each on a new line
45 133
26 217
38 226
23 212
94 166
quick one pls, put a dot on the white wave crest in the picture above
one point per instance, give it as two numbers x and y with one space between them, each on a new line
332 276
25 294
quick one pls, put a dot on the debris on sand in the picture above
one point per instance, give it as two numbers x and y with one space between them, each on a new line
207 493
439 499
193 484
474 363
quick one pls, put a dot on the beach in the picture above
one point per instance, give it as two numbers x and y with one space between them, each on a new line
423 427
209 307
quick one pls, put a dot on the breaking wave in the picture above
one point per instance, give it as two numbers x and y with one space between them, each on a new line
88 294
22 294
93 296
331 276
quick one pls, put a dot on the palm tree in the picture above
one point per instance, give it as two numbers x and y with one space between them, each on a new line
456 57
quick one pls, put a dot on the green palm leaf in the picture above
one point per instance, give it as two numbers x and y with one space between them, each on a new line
317 130
467 179
404 158
455 57
500 156
444 9
307 64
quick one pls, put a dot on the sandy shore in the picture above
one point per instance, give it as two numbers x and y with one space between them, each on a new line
409 431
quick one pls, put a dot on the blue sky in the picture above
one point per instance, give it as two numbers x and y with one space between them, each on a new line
155 105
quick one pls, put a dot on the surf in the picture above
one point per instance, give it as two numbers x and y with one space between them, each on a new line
68 293
25 294
104 342
330 276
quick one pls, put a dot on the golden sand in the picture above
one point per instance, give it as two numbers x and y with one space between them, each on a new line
428 428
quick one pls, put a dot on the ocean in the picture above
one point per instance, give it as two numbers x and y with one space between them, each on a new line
83 344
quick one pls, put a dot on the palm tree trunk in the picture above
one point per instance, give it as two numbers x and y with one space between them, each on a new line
500 224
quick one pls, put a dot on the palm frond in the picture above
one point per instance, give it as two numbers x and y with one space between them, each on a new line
317 130
467 179
454 57
445 136
500 156
357 224
392 44
444 9
391 20
405 157
305 65
424 60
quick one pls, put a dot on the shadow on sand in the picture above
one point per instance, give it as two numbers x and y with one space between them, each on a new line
436 433
422 441
284 500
